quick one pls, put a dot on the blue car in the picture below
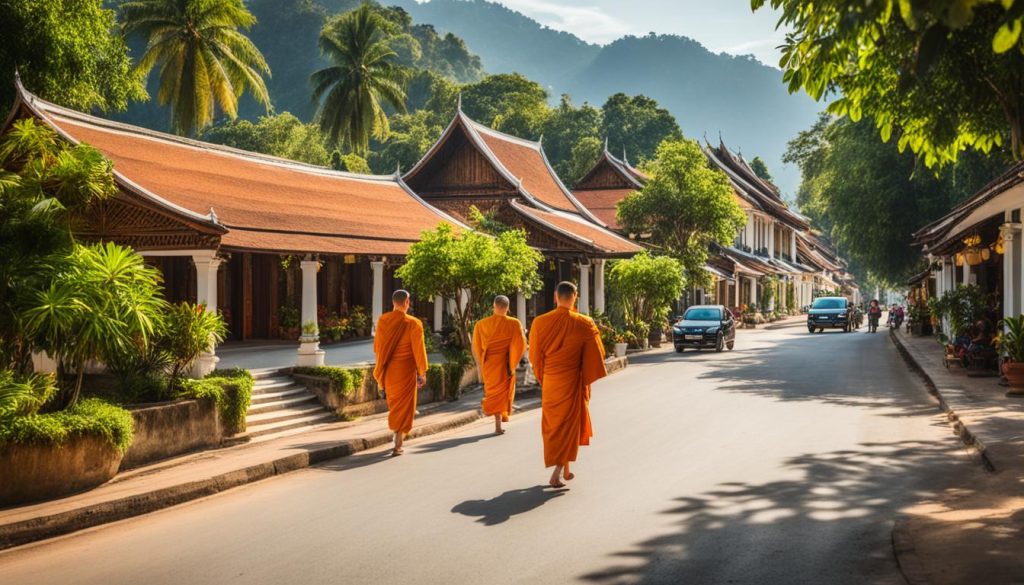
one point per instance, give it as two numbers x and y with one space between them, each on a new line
829 313
710 326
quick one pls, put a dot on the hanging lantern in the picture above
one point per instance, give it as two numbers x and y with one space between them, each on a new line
985 254
1000 246
959 259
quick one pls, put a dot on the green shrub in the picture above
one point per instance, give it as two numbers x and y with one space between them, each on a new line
230 389
435 380
90 416
24 395
344 381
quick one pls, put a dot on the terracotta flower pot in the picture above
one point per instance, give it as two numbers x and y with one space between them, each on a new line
1015 376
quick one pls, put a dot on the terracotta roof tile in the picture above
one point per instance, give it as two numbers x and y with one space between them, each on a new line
527 163
258 193
602 239
602 202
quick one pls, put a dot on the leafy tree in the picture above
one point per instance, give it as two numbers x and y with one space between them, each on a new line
507 102
646 286
68 52
941 72
637 125
411 136
760 168
364 75
350 162
281 135
205 62
44 185
684 207
871 219
465 268
566 128
581 159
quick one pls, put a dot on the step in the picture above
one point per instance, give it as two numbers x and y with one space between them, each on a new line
263 374
287 403
257 430
272 385
264 397
284 414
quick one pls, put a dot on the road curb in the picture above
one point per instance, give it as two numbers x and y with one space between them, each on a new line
53 525
910 563
959 428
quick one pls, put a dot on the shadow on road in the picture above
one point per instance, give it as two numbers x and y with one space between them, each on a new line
511 503
450 443
830 523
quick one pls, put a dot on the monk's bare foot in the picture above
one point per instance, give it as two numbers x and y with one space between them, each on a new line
397 451
568 475
556 484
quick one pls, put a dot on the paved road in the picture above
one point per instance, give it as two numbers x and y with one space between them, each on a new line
784 461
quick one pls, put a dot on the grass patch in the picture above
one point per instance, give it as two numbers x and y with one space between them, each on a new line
230 389
90 416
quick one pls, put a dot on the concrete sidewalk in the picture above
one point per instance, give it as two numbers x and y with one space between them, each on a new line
973 534
181 479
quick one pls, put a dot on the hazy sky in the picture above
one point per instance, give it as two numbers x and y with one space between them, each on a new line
720 25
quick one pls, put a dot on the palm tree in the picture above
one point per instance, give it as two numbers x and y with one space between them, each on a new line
204 60
363 74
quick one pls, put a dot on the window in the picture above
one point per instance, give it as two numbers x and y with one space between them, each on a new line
703 314
829 303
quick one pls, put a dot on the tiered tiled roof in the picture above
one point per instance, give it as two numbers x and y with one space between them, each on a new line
264 203
540 197
609 181
760 194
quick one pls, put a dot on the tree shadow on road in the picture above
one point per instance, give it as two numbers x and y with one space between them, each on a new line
450 443
511 503
830 523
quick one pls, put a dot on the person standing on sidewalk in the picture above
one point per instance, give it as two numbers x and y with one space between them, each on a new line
401 364
498 345
567 357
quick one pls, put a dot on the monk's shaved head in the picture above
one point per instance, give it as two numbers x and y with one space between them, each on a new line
565 290
400 296
501 301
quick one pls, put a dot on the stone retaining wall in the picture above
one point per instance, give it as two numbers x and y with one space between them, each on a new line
35 472
167 429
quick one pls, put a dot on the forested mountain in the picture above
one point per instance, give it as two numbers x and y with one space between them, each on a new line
708 93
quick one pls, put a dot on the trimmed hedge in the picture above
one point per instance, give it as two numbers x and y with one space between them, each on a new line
90 416
344 381
230 389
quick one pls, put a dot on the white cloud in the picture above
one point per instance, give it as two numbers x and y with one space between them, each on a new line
590 23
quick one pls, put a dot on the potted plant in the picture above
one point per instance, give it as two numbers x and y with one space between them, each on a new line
360 321
620 345
1011 346
289 322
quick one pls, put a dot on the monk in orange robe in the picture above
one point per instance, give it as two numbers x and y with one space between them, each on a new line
567 357
498 345
401 364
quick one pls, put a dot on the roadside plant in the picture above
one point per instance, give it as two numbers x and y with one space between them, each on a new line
188 330
1011 340
646 286
102 301
468 268
961 307
22 396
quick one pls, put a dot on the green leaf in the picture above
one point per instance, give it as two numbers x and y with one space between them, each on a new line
1006 37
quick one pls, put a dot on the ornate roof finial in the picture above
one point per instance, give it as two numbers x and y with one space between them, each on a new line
540 140
606 145
458 104
625 159
213 216
398 169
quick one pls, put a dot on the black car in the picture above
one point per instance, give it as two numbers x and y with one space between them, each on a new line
705 326
829 313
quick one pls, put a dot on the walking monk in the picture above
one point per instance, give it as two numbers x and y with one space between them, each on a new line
498 345
401 364
567 357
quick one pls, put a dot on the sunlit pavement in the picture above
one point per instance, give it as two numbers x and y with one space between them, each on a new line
784 461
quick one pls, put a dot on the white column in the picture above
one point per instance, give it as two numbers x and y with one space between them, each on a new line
378 292
599 286
583 303
753 291
771 239
792 245
1011 293
310 354
438 312
748 231
521 308
207 264
967 272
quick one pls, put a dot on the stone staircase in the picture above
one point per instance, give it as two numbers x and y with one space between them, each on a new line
280 406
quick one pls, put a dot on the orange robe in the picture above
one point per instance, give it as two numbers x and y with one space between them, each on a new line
499 343
567 357
401 355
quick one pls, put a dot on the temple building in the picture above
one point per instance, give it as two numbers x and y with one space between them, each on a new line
511 180
276 245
